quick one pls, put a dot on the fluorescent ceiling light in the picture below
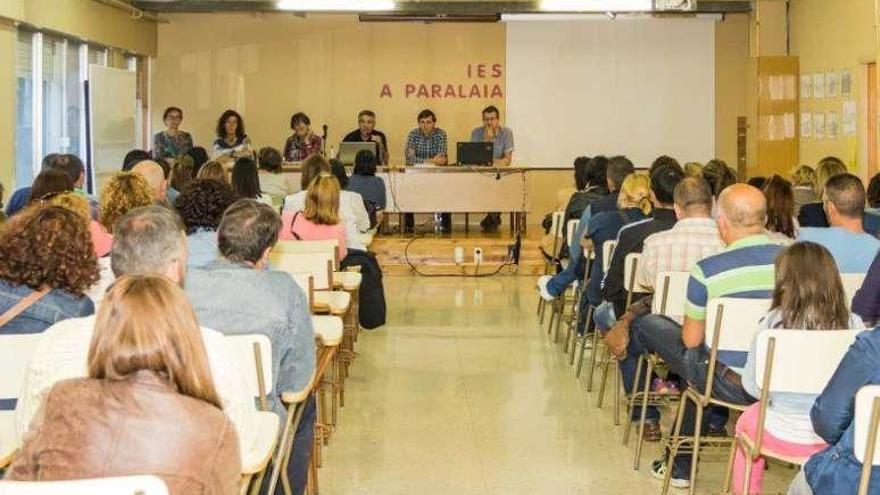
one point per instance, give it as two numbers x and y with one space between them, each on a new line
597 5
336 5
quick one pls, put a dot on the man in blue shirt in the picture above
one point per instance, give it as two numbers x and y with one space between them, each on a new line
426 144
502 152
844 203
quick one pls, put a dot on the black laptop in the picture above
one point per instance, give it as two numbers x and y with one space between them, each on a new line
479 153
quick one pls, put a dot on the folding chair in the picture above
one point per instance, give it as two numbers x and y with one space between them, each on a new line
867 420
780 356
254 352
123 485
852 282
585 340
607 252
669 300
733 333
556 231
630 270
15 355
569 317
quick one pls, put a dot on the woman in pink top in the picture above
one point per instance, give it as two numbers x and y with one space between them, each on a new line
319 220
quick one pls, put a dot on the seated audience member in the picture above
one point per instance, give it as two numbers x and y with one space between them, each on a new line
871 218
134 157
76 171
149 391
719 176
319 220
591 185
48 184
148 240
813 213
781 224
199 156
47 263
757 182
70 165
213 170
631 238
181 173
803 180
693 169
338 171
367 132
693 237
743 269
201 206
232 142
155 175
124 192
22 196
664 160
866 302
101 240
351 206
303 143
170 143
563 197
272 182
852 248
808 295
364 181
835 469
550 287
2 213
246 181
238 294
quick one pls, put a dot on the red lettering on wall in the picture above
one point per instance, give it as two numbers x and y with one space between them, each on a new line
450 91
481 71
386 91
496 70
409 90
496 92
423 91
436 90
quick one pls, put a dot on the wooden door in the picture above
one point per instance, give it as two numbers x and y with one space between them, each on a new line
778 114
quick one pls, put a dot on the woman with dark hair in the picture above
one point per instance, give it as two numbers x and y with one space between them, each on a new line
171 142
780 223
246 181
47 263
719 176
149 392
181 173
272 181
303 143
199 156
338 171
50 183
808 295
873 195
201 206
589 176
232 141
365 182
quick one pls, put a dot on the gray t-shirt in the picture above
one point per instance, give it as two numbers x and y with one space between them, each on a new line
502 143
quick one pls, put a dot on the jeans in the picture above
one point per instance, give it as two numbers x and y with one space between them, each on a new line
654 333
604 316
575 268
298 467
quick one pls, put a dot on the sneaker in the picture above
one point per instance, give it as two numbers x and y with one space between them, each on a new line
542 287
658 470
663 387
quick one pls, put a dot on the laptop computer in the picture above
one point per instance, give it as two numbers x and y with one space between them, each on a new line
475 153
349 150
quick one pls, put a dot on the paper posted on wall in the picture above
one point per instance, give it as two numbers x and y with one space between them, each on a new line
806 125
848 121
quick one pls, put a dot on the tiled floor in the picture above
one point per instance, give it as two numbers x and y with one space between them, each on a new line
463 393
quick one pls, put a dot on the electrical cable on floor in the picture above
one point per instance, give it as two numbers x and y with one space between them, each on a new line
509 261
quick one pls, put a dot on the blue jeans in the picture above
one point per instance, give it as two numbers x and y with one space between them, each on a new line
654 333
604 316
575 269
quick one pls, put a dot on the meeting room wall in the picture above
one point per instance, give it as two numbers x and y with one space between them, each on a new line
835 35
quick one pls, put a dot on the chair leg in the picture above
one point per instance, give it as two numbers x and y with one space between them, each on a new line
631 403
728 473
603 380
747 476
285 446
612 362
643 418
695 456
675 441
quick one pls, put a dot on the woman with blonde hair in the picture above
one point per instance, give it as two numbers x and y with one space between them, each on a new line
213 170
813 214
147 370
124 192
693 169
320 219
803 181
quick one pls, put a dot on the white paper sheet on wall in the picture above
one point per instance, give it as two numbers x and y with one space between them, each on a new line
788 125
832 125
806 86
832 83
848 119
806 125
819 125
819 85
846 83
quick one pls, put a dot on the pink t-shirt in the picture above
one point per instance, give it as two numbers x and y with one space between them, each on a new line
309 231
101 240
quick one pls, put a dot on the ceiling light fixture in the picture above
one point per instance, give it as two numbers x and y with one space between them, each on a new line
600 6
336 5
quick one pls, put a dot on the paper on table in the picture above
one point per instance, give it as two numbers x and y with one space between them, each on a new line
848 121
806 125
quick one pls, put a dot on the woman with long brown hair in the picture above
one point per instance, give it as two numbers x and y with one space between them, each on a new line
780 208
808 295
149 393
320 219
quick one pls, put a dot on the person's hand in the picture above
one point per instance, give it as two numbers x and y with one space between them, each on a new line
489 135
410 153
376 139
617 339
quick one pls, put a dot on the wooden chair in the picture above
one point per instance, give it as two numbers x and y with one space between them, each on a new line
123 485
733 333
571 317
779 363
669 300
254 352
867 420
585 339
15 354
607 252
556 231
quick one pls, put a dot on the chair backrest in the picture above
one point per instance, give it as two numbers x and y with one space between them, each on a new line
319 265
735 320
15 355
299 247
253 353
125 485
556 223
867 413
607 253
305 281
851 283
670 293
823 348
570 228
630 269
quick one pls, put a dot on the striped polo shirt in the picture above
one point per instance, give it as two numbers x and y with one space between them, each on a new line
744 269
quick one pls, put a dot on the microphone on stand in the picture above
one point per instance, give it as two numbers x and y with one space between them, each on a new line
324 140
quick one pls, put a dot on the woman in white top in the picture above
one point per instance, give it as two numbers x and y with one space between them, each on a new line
808 295
231 139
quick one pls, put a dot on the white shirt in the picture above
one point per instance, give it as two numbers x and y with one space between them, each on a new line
351 209
62 353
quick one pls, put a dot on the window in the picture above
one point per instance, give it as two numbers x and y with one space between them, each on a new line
97 55
24 118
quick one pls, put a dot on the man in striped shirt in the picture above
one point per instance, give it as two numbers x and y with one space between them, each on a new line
744 269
